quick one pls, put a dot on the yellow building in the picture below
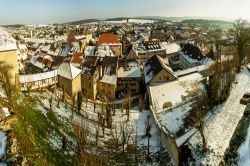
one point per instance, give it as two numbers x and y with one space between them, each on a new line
129 78
106 86
8 53
155 71
69 78
90 76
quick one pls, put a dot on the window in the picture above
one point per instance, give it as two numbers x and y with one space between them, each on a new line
167 77
159 78
133 90
133 84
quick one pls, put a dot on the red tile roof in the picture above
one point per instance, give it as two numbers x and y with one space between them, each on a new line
76 59
108 38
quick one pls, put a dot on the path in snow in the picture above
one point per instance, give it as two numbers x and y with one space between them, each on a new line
220 127
219 131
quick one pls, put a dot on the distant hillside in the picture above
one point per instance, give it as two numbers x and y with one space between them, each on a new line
117 19
189 20
14 25
111 19
207 22
86 21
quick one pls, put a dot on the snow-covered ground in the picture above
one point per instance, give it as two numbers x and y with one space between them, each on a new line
221 125
244 151
137 121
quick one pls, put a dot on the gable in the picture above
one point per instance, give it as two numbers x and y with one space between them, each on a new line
162 76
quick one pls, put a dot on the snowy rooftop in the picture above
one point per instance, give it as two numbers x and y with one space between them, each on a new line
37 77
202 60
175 92
143 48
69 71
132 69
173 119
7 42
89 51
109 79
171 47
104 50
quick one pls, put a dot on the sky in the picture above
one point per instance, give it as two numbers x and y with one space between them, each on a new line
61 11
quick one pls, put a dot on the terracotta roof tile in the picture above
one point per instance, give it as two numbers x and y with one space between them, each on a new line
76 59
108 38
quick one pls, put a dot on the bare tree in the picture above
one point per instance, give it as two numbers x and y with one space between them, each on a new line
81 134
148 126
50 104
196 119
79 101
128 106
5 77
97 133
242 37
73 99
116 136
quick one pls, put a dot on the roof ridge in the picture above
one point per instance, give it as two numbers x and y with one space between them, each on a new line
164 66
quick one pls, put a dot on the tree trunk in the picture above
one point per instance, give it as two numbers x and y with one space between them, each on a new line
204 141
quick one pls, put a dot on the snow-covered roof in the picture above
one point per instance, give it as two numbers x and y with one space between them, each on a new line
22 48
174 92
90 51
109 79
181 140
35 62
104 50
109 70
7 42
79 37
69 71
75 47
37 77
131 69
171 47
173 119
46 47
65 50
153 67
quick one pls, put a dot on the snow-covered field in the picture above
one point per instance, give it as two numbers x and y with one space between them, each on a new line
221 125
244 151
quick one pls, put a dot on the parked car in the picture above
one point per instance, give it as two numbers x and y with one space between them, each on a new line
248 67
245 99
